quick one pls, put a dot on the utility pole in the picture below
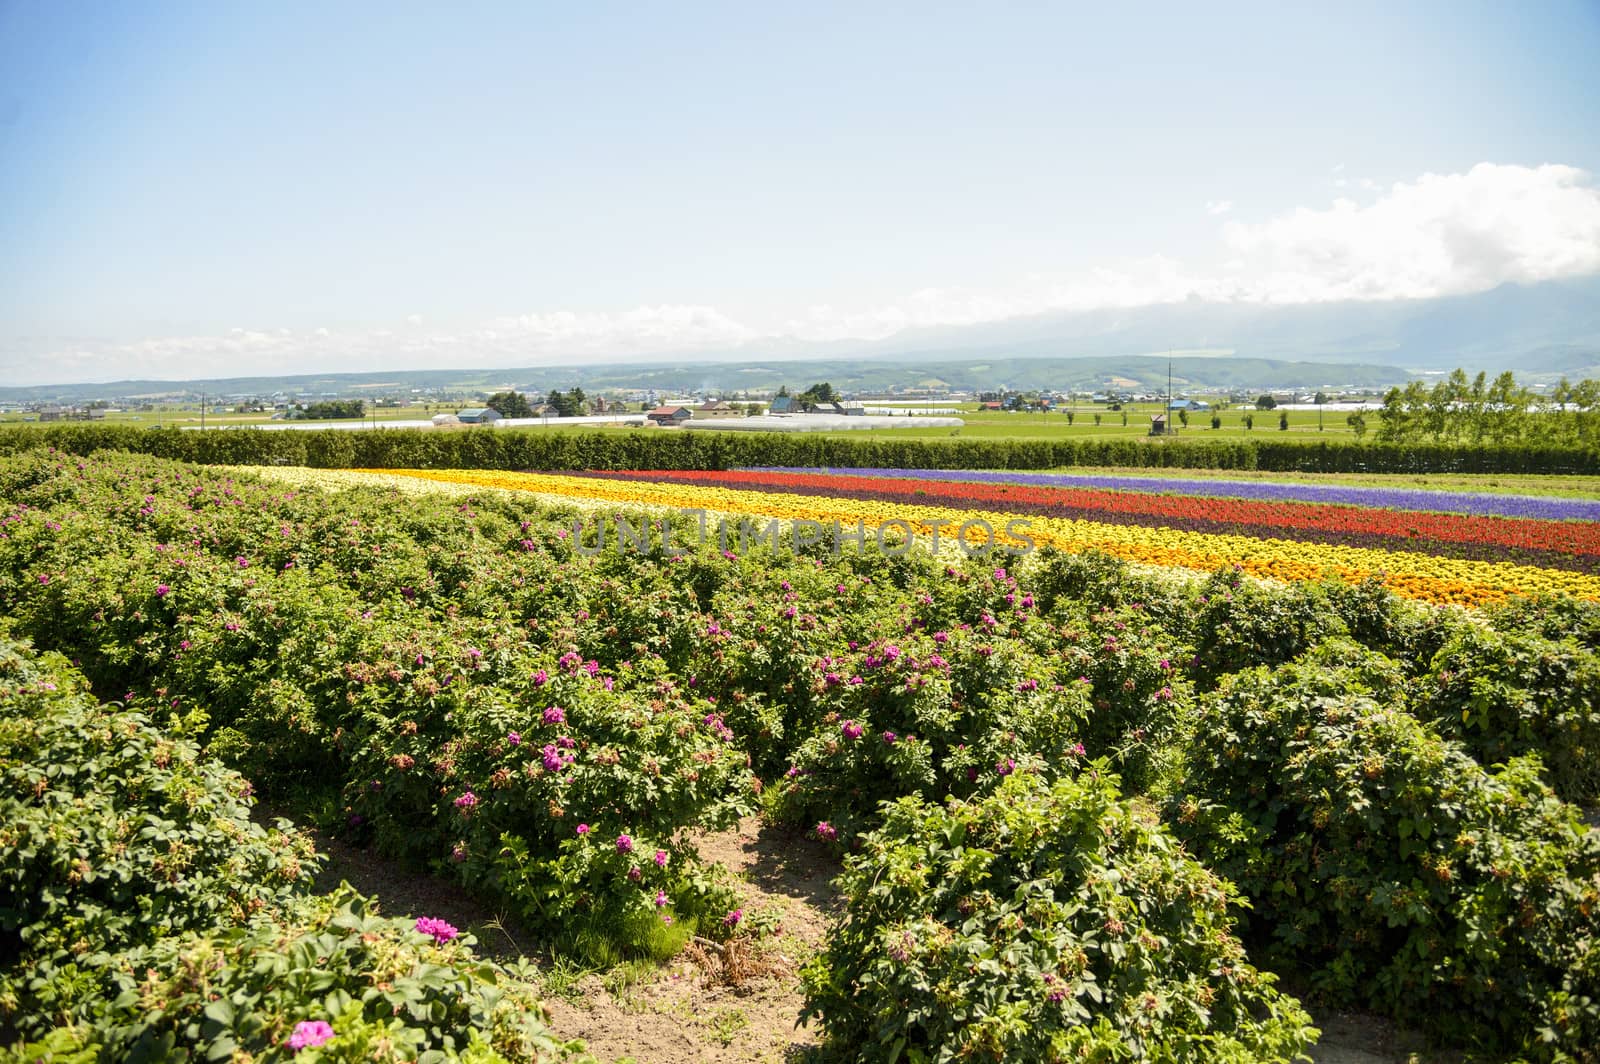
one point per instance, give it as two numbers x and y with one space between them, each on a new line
1169 392
202 410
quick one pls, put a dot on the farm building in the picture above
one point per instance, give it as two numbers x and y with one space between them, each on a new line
670 415
478 415
783 404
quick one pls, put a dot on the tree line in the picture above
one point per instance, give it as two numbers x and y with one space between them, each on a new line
1501 412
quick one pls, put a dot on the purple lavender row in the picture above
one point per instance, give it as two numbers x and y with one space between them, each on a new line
1550 509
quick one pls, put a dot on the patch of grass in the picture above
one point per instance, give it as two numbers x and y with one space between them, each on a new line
725 1023
561 977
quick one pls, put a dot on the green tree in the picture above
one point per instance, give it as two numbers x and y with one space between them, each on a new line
1183 418
510 404
1506 409
566 404
1477 396
1400 414
817 395
1266 402
333 410
1283 421
1249 421
1216 421
1358 424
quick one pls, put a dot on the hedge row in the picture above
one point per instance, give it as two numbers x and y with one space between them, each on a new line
650 449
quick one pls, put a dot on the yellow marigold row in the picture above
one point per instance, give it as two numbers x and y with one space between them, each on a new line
1419 576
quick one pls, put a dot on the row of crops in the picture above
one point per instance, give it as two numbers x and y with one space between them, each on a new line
1090 809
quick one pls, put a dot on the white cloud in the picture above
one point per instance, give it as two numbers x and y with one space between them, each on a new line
643 329
1436 236
1442 234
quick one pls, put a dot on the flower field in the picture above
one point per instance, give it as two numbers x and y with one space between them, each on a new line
1442 558
1100 793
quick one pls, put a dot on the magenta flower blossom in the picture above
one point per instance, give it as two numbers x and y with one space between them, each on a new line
890 737
1077 748
467 801
458 852
310 1033
161 590
555 715
514 738
661 858
661 898
583 829
826 831
733 918
441 931
635 873
851 730
1005 767
624 843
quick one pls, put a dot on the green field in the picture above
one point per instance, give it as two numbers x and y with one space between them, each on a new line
1007 425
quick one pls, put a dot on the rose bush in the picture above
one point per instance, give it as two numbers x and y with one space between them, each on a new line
1040 922
1384 862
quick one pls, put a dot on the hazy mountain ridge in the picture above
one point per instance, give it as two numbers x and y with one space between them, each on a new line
976 373
1538 331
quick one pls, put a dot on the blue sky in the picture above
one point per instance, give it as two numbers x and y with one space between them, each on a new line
269 187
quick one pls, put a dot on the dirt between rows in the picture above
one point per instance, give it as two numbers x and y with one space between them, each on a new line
721 1009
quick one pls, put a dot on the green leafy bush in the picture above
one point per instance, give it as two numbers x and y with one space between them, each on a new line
1040 923
1385 863
385 990
1504 694
1241 623
114 834
929 714
145 917
349 660
1549 616
1135 675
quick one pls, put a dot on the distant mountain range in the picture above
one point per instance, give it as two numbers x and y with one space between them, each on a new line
1537 331
1550 328
879 375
